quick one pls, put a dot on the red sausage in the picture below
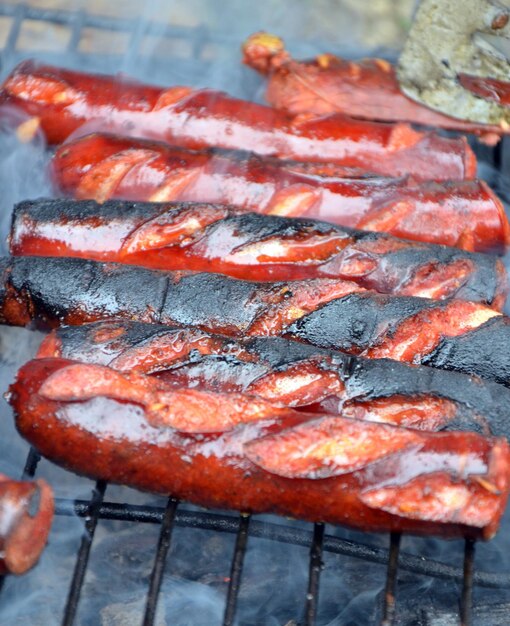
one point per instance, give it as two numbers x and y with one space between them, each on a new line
64 100
26 513
465 214
321 468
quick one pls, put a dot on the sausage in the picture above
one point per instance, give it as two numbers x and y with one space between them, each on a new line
290 373
55 291
316 467
204 237
465 214
366 89
357 321
63 100
26 513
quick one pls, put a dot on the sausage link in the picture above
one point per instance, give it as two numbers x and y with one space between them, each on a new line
26 513
316 467
465 214
204 237
63 100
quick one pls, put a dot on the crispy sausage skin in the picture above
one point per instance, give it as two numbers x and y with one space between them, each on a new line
26 513
366 89
262 458
355 320
466 214
204 237
55 291
64 100
290 373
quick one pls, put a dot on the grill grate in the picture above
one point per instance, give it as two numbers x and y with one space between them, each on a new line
170 516
318 541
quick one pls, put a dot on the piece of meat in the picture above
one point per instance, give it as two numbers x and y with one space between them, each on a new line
465 214
488 88
64 100
316 467
455 335
366 89
55 291
26 513
204 237
291 374
357 321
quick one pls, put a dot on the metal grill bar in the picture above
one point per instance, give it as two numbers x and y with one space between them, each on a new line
391 580
165 536
467 587
31 464
102 22
91 520
236 570
314 573
78 22
19 14
283 534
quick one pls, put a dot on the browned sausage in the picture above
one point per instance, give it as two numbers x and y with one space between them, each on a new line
234 452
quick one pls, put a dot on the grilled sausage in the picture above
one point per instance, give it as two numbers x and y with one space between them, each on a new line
53 291
291 374
26 513
465 214
357 321
205 237
63 100
320 468
366 89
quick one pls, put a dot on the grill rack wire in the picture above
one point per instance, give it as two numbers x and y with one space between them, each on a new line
242 525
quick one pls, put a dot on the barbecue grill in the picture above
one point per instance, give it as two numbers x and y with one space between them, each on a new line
315 538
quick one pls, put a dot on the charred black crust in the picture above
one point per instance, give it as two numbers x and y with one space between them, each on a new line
254 227
484 351
280 353
354 322
206 300
59 288
53 210
480 402
481 283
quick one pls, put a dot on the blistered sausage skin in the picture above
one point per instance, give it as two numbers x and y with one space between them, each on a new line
204 237
63 100
315 467
354 320
465 214
290 373
26 513
53 291
366 89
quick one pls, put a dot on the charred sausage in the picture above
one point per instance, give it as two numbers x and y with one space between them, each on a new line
204 237
53 291
291 374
